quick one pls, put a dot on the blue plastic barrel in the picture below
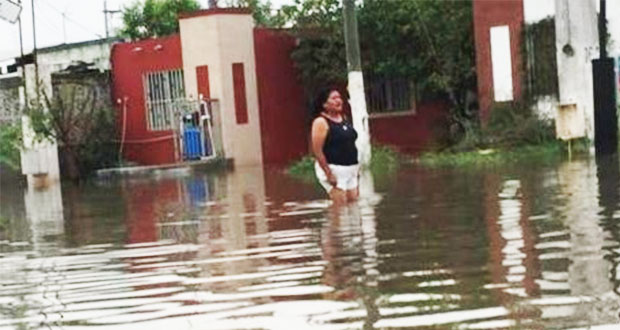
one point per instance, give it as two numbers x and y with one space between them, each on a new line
191 143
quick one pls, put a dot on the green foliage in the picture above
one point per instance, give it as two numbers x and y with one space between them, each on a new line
154 18
385 161
4 224
261 12
540 57
303 168
427 42
79 117
514 124
320 54
494 157
513 133
10 144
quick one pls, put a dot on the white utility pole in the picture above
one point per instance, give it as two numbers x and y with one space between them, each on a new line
356 82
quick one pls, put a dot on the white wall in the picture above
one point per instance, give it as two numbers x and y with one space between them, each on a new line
218 41
575 73
535 10
576 25
41 157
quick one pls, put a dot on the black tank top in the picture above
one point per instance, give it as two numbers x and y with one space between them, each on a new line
339 147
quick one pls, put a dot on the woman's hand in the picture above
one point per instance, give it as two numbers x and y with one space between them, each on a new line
331 178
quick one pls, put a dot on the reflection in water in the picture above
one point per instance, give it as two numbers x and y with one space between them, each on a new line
526 247
608 175
45 213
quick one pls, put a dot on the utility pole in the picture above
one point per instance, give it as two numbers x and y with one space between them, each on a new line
105 16
605 117
64 28
356 82
21 55
34 54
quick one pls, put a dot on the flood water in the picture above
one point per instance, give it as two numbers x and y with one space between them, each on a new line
521 247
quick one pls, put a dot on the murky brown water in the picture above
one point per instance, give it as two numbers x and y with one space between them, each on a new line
526 247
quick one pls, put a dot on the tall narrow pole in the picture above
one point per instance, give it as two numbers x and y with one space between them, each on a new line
105 16
34 53
605 116
21 54
602 30
356 82
64 28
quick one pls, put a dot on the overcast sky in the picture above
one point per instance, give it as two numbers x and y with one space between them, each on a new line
84 20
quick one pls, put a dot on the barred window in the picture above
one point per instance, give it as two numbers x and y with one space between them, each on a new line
385 94
162 90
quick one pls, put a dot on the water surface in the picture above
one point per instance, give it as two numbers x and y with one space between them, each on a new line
521 247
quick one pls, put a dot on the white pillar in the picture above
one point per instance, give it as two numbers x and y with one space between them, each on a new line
360 116
576 35
39 157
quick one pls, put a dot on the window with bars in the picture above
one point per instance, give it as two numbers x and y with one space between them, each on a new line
386 95
162 90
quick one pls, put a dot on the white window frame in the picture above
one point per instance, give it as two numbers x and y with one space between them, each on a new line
162 89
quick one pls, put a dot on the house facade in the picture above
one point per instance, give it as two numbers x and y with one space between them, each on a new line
236 79
238 86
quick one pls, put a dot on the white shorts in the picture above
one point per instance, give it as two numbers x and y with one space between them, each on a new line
346 176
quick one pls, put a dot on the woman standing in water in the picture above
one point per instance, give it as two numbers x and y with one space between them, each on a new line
333 146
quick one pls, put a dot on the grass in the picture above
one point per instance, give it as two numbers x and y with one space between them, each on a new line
512 134
385 161
546 152
4 224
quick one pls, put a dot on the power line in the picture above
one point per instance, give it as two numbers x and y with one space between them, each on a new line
68 18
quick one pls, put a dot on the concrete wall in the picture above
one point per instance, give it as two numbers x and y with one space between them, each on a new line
11 99
218 38
576 25
41 157
52 59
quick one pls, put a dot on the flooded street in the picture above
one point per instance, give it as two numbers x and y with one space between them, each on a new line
521 247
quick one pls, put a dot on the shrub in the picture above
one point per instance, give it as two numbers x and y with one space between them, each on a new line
10 144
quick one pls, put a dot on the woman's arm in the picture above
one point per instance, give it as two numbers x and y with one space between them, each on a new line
319 134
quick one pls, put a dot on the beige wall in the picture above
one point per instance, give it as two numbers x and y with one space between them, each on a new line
218 41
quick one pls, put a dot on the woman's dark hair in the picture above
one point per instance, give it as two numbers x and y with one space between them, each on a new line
320 99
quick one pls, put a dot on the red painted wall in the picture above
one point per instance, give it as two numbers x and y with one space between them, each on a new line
129 62
411 133
281 98
241 103
486 15
147 204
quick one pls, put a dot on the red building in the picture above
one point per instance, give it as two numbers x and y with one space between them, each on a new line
224 88
498 27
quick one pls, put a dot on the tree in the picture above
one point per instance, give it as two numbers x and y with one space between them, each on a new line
154 18
429 41
320 55
79 116
262 12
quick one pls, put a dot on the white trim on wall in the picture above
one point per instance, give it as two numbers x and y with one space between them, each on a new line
501 63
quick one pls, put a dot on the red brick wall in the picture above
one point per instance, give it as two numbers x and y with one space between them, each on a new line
280 97
129 62
411 133
487 14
